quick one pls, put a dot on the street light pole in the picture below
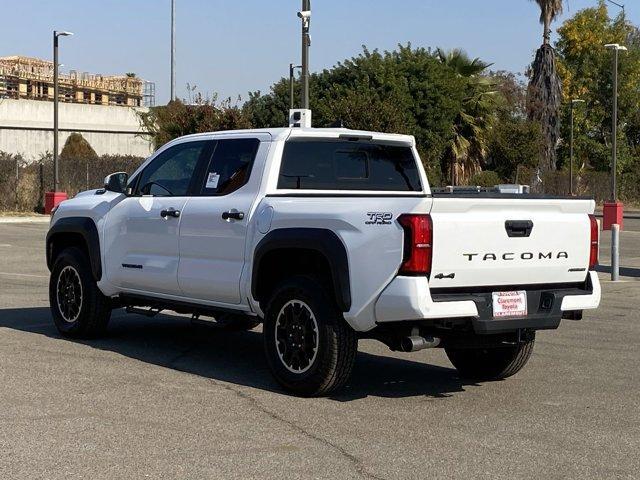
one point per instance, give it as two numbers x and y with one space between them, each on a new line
618 5
614 127
55 111
173 50
573 103
56 66
305 15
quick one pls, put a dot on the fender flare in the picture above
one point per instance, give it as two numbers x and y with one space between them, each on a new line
86 228
326 242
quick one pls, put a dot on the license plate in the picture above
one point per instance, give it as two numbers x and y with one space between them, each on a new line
509 304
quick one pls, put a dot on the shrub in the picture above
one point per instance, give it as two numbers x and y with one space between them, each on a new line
9 198
486 179
77 147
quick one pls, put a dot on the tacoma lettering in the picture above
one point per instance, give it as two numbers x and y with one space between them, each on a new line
512 256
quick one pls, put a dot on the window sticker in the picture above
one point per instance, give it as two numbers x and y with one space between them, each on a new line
213 179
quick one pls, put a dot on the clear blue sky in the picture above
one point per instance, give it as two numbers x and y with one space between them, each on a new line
234 46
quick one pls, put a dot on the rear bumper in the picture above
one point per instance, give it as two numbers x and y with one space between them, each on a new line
410 299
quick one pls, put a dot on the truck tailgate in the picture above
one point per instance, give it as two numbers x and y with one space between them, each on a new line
509 241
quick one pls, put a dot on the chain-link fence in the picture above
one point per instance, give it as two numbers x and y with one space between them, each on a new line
22 184
588 184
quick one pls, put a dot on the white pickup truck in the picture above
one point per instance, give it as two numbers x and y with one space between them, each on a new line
326 236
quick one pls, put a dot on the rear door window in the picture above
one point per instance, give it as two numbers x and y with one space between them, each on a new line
230 166
344 165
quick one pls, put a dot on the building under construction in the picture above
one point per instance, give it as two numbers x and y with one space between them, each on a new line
32 78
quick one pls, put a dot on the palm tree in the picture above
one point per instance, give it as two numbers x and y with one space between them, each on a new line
472 125
549 10
544 95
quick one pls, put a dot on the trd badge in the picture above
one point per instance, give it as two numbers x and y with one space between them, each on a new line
379 218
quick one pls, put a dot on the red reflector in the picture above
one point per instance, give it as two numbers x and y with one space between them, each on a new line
418 244
595 243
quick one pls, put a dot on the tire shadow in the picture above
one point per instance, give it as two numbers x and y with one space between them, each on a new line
237 358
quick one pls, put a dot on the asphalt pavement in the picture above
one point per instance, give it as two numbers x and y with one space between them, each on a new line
160 398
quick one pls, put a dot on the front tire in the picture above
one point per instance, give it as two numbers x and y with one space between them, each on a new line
495 363
309 347
79 308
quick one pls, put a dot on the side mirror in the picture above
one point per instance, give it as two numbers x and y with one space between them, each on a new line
116 182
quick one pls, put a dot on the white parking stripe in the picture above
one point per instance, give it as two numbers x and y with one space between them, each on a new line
23 275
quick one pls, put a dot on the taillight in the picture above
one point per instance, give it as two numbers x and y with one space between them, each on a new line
594 245
418 244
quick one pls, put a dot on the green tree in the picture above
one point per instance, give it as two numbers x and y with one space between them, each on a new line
545 88
514 145
176 119
474 121
407 90
586 70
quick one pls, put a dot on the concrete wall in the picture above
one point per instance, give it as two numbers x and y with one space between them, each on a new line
26 127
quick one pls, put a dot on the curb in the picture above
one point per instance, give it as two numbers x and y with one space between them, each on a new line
634 215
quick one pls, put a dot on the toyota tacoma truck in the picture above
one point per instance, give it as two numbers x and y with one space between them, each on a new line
325 236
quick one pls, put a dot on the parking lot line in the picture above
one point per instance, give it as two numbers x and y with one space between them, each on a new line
23 275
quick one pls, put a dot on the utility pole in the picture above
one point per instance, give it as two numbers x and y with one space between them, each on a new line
305 15
173 50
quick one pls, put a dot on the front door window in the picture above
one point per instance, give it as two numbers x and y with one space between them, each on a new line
170 174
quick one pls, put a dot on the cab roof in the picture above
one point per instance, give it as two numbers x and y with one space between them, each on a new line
281 134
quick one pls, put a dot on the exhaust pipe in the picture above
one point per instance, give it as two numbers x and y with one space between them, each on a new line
416 343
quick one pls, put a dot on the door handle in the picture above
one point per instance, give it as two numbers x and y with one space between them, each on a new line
233 215
170 213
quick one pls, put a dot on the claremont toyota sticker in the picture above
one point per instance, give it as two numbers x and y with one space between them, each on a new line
509 304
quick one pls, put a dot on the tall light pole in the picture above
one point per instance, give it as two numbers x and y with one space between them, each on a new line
173 50
305 15
614 126
56 36
573 103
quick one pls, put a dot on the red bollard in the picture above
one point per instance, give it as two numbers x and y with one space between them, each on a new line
612 213
52 199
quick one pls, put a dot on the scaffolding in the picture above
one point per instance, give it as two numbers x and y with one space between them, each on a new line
32 78
149 94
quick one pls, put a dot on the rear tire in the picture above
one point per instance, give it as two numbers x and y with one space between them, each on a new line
79 308
493 363
309 347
